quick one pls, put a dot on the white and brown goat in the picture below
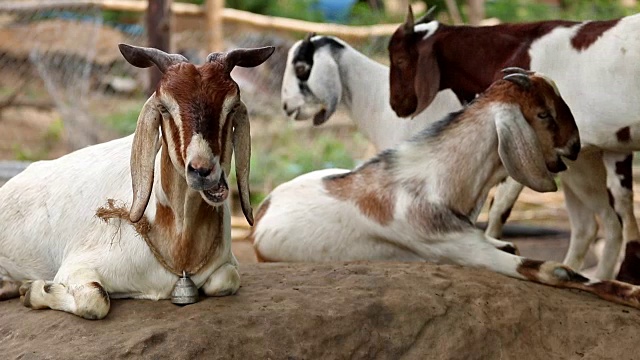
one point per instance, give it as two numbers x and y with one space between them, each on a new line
594 64
414 202
67 234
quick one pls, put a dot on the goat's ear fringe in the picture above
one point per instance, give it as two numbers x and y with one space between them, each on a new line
118 210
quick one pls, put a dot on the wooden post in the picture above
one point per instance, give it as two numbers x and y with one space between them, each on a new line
215 30
476 12
158 23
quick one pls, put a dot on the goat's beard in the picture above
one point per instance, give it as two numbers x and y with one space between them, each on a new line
218 193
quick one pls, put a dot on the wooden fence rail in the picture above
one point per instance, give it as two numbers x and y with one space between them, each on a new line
228 15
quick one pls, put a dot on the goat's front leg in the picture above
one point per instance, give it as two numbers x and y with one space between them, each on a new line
79 292
506 195
224 281
471 249
584 227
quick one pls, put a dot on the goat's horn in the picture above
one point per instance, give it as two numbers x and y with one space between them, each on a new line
516 70
243 57
408 22
428 17
144 57
520 79
309 36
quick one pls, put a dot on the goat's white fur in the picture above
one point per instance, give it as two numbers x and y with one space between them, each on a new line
362 85
601 85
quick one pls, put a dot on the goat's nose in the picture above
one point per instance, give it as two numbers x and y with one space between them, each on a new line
201 171
574 151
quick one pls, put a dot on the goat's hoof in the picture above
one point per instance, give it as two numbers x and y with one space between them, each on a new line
25 293
511 249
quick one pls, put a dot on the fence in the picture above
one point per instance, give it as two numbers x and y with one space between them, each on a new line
63 55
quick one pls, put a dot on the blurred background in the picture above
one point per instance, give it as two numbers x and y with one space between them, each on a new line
64 84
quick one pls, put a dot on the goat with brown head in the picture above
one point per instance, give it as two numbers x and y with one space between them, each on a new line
179 220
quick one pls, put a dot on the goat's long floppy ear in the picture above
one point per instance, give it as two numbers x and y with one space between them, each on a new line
146 143
242 150
427 79
520 151
143 57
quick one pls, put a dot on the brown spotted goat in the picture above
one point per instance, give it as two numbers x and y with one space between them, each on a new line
594 64
69 238
415 201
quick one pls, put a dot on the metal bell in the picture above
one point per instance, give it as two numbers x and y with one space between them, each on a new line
184 291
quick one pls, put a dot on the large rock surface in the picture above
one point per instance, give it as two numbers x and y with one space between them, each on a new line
329 311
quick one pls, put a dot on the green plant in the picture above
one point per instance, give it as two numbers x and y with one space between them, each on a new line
124 121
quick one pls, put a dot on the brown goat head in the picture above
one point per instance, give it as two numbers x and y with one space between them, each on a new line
202 119
535 128
406 46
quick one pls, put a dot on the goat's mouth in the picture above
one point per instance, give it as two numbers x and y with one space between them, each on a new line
219 192
557 166
320 118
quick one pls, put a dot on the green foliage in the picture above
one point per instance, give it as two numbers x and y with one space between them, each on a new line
51 137
289 155
124 121
293 9
529 10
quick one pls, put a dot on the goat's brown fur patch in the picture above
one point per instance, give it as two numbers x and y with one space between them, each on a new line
101 291
624 134
530 269
370 187
590 32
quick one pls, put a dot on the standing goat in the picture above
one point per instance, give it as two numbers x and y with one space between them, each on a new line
66 233
323 71
595 66
414 202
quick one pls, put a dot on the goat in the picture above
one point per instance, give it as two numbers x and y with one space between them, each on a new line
594 65
414 202
323 71
67 234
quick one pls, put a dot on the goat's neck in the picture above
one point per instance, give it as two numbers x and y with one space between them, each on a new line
185 227
456 167
365 93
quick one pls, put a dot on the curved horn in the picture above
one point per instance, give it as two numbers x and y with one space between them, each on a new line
516 70
144 57
309 36
521 79
428 17
408 22
242 150
146 143
242 57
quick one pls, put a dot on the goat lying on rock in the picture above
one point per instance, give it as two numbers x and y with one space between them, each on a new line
414 202
66 233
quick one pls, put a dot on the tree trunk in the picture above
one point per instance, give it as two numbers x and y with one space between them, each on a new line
158 24
476 11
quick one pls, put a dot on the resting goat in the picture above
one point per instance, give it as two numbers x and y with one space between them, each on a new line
595 66
66 234
414 202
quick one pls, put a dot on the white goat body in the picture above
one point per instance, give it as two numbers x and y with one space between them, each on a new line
121 219
592 64
414 202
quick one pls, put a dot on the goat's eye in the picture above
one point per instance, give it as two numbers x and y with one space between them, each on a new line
545 115
163 110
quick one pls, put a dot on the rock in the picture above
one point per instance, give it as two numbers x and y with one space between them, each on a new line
329 311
